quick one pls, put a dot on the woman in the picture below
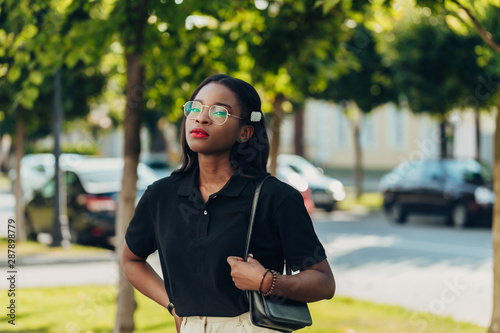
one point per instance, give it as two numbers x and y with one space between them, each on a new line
197 219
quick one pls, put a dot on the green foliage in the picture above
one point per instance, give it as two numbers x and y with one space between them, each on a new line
38 37
288 47
285 48
295 48
299 48
367 82
430 79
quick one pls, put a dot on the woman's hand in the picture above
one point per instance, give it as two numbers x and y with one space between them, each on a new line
178 321
246 275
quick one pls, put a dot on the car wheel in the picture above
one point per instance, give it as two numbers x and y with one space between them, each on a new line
396 213
459 216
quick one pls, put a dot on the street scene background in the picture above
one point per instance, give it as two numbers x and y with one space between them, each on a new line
383 114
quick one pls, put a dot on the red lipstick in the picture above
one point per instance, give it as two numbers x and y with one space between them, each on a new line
199 133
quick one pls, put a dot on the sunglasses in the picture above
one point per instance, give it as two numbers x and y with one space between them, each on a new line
217 114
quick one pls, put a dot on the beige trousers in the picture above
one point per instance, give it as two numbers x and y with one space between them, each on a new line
240 324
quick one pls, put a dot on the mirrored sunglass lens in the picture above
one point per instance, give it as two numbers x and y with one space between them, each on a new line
218 114
192 109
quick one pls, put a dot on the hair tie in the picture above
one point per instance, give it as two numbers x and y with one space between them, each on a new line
255 116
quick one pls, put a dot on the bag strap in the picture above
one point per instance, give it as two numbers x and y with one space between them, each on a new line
252 215
287 269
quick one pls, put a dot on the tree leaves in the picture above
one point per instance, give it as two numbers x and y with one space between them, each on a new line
36 40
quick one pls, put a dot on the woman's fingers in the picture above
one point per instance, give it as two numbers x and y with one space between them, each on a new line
232 260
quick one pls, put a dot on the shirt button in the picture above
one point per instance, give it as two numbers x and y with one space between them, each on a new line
205 213
215 196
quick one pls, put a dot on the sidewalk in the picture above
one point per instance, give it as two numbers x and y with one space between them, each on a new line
7 204
55 270
61 258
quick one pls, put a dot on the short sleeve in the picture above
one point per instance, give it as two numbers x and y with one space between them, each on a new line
140 236
300 244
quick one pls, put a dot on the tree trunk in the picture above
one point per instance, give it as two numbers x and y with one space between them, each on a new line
358 157
276 121
478 134
5 148
495 319
18 191
355 116
126 303
299 131
60 231
442 138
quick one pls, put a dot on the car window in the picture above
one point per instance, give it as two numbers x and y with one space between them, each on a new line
294 168
303 167
49 189
73 185
39 168
71 178
468 171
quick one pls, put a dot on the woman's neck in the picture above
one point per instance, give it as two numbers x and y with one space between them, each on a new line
214 173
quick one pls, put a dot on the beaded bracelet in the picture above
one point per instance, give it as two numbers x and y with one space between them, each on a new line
273 284
262 281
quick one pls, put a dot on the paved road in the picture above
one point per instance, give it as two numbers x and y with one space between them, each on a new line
424 265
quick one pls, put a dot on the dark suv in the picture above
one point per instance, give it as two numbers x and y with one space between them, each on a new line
459 189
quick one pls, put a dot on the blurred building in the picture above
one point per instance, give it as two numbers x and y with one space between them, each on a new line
389 136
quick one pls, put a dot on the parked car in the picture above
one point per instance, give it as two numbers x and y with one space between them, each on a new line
158 162
287 175
459 189
37 169
92 190
326 191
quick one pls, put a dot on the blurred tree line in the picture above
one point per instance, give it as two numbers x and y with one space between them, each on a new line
132 63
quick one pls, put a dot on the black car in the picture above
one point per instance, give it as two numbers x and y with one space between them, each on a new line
459 189
92 189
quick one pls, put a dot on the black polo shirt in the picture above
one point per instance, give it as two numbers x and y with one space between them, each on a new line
194 238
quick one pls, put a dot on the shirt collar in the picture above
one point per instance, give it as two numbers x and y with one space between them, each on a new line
232 188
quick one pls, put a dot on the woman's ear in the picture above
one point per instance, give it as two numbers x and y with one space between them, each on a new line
246 133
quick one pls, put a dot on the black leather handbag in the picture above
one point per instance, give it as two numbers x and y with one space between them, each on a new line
274 312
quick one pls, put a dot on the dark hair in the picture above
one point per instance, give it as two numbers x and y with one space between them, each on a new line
249 158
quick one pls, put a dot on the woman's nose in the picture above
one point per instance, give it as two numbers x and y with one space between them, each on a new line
204 117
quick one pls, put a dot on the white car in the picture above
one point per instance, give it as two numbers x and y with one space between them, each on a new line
326 191
287 175
37 169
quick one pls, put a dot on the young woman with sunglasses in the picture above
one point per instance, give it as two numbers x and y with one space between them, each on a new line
198 217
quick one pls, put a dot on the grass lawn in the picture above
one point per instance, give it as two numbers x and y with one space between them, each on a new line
91 309
4 182
27 248
369 201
